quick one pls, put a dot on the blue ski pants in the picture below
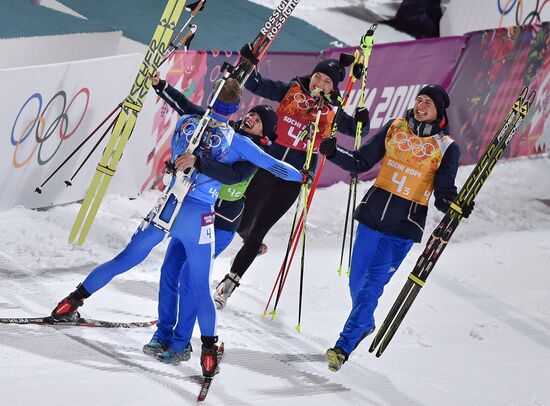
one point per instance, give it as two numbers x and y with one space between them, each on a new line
174 274
375 258
193 233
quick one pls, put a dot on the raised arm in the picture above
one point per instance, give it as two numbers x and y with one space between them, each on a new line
174 97
270 89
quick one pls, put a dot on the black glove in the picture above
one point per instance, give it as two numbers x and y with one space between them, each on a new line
362 115
246 52
328 147
467 209
170 167
307 177
160 85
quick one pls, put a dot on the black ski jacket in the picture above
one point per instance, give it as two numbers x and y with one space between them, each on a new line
276 90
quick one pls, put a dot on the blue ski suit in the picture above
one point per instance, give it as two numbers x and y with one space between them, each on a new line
187 288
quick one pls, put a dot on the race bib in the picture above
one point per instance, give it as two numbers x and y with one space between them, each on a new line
207 228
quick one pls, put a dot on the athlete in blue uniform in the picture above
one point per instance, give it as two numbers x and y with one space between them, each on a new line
192 231
418 158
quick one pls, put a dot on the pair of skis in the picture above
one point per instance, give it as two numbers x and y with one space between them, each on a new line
156 54
443 232
183 182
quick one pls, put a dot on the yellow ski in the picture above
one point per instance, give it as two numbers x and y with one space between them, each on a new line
126 121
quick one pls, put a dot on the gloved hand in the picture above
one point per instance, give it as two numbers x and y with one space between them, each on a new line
246 52
308 177
328 147
170 167
158 83
362 115
467 209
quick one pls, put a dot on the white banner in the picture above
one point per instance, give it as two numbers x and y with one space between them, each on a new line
47 111
462 16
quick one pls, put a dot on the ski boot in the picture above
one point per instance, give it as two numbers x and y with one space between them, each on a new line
155 347
336 358
225 288
209 356
66 310
171 357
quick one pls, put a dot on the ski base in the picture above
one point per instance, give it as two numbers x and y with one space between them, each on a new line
82 322
207 382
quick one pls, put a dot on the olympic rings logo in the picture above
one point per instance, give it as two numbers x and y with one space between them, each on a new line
307 103
519 6
46 122
414 144
210 141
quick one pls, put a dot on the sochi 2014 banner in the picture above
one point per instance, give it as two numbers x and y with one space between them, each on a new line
396 72
46 112
492 70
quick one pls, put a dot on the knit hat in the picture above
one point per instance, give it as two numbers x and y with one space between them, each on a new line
331 68
438 95
269 120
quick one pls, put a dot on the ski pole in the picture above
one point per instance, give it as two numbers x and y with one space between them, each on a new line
39 188
286 266
366 45
311 146
69 181
279 278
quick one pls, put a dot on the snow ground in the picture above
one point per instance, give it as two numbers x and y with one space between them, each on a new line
478 334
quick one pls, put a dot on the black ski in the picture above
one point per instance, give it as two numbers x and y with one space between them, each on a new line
444 231
263 40
82 322
207 382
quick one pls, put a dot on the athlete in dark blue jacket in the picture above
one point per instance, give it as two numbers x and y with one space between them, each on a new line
269 198
417 157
